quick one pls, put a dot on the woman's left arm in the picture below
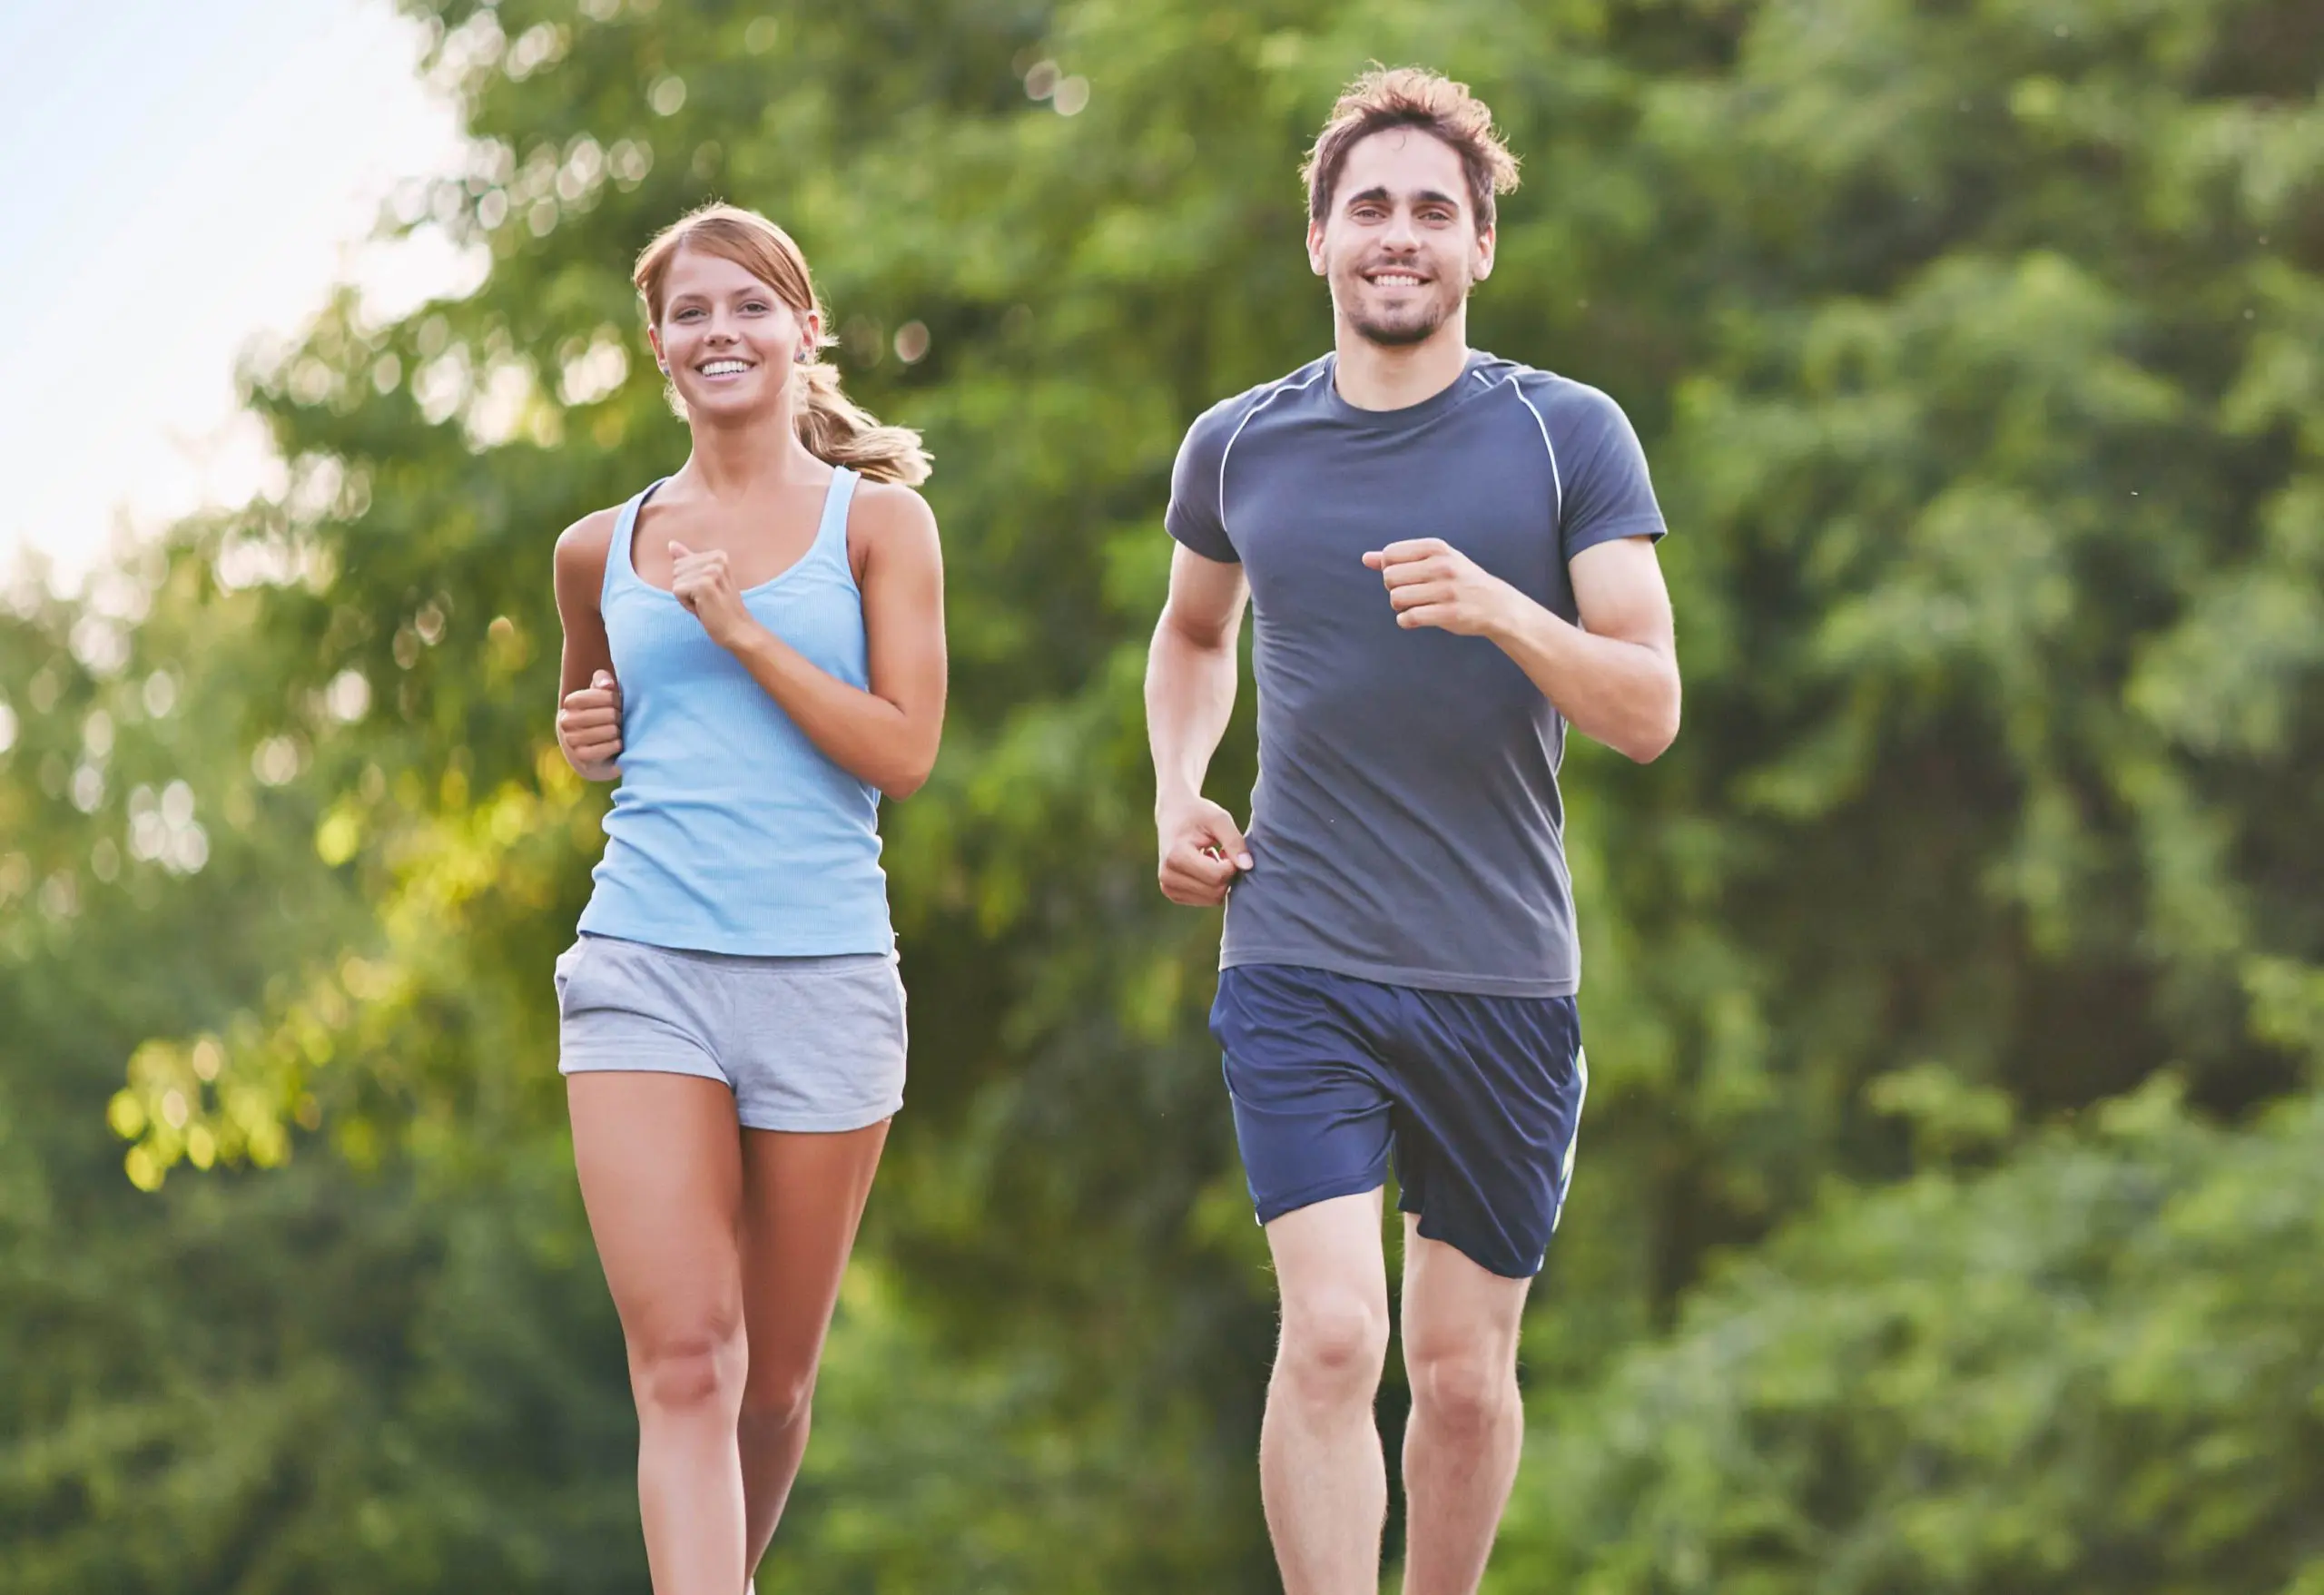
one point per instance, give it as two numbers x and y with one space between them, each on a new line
886 736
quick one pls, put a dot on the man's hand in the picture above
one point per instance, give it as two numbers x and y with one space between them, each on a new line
1202 853
1431 583
703 584
588 727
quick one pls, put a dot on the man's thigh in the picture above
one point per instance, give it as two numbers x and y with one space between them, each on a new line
1456 1312
1312 1114
1331 1271
1490 1095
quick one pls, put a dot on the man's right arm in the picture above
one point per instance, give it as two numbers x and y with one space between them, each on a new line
1190 672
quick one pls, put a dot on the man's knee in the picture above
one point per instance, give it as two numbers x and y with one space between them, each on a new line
1463 1387
1333 1345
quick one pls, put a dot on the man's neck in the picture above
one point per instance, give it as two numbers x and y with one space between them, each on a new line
1373 376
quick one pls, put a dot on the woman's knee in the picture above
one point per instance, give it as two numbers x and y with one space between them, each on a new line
779 1394
692 1369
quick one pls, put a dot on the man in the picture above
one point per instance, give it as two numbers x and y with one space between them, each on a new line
1450 557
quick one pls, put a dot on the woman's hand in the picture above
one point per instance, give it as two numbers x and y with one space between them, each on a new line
588 727
705 585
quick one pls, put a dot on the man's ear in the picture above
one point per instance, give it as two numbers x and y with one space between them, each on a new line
1315 248
1486 239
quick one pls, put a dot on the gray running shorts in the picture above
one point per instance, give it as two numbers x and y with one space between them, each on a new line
804 1043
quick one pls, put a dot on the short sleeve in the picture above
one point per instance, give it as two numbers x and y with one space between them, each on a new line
1194 518
1607 491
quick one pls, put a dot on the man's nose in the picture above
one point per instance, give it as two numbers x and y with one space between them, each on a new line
1401 235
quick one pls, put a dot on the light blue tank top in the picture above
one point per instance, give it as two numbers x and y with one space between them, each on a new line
730 831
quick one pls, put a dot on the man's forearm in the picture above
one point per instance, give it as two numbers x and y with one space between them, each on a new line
1189 698
1623 693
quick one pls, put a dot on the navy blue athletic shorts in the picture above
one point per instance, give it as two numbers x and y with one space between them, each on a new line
1477 1099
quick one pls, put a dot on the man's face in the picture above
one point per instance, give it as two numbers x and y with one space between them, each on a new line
1400 245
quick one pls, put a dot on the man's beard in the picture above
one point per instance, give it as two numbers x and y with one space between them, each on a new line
1416 324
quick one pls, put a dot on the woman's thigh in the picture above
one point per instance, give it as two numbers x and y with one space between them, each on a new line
660 1161
803 1195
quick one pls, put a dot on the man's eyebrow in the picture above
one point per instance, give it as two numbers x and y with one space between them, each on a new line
1379 194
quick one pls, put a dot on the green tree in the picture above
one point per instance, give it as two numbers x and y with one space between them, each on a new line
2094 1369
1971 347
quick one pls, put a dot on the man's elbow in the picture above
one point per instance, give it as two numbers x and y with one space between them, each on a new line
1653 739
1646 753
1192 632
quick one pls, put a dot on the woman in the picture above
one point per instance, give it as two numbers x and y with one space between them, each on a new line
754 649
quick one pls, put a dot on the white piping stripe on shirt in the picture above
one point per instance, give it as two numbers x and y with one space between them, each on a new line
1557 478
1246 421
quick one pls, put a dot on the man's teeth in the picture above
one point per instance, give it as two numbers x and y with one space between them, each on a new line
1395 280
722 368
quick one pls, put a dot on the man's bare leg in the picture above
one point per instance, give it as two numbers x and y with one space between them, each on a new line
1321 1472
1461 1324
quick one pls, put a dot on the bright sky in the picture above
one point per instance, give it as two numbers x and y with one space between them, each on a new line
182 177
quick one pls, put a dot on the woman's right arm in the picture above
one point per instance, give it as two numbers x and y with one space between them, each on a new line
588 710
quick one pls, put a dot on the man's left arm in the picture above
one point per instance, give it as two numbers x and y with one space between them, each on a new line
1614 677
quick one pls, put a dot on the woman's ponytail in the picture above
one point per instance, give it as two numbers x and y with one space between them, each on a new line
834 428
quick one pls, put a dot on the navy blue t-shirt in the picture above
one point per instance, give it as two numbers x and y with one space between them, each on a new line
1407 826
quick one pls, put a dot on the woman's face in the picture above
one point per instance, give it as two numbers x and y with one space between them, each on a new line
726 339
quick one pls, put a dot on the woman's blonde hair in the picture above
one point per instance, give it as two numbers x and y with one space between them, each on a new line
833 427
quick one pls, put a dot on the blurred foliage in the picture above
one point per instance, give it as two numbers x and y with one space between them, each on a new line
1975 347
2096 1368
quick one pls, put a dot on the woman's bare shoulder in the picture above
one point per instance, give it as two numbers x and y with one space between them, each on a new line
582 547
590 536
892 512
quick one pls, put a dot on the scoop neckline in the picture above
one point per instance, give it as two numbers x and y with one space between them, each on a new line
629 544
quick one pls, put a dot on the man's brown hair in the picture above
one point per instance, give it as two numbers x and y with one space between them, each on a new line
1412 96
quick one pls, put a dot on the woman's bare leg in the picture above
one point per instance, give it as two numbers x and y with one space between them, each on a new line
660 1160
803 1195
